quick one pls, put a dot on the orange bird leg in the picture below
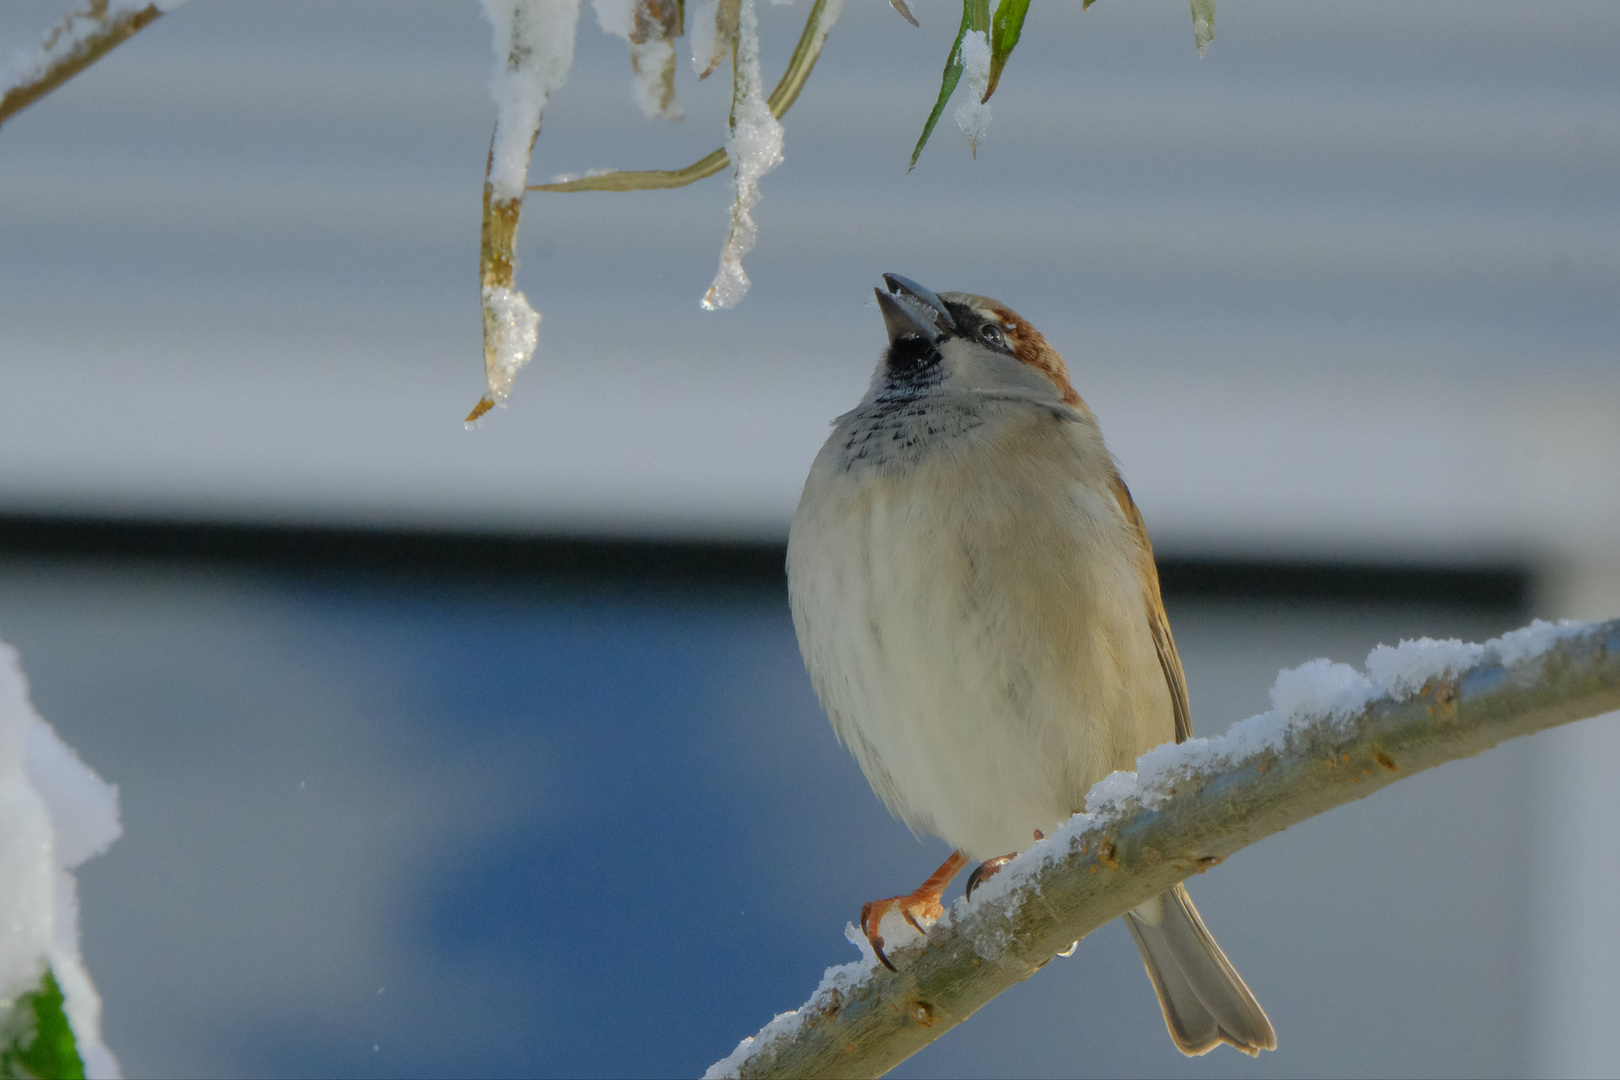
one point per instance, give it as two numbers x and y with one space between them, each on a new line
923 903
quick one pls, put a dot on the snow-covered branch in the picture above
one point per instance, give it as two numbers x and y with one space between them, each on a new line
534 48
1334 735
78 41
823 13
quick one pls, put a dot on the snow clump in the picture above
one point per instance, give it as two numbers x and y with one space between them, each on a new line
648 26
755 148
534 49
54 814
514 331
973 117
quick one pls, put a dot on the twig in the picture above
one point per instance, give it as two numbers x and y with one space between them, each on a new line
77 42
1188 808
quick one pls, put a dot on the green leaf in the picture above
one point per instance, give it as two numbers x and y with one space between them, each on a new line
975 16
1203 12
1005 30
35 1039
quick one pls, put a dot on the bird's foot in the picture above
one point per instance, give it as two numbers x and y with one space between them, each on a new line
987 870
915 907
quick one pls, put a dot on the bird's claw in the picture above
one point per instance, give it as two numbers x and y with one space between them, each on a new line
987 870
913 907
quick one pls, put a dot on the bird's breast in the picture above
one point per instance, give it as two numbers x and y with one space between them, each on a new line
973 620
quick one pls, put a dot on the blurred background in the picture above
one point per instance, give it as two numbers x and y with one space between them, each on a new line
490 753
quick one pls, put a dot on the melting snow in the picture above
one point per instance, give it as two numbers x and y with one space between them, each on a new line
515 331
973 117
755 148
701 33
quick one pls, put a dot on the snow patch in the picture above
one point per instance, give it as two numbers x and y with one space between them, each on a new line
1321 688
1403 670
701 32
1533 640
513 330
1314 691
973 117
534 48
54 814
755 148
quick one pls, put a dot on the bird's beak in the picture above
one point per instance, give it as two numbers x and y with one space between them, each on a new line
910 309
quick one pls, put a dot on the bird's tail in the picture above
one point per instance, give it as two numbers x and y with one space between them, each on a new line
1204 999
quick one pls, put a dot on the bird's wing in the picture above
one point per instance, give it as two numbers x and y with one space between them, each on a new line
1158 621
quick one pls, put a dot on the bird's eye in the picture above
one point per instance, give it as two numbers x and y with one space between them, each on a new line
992 336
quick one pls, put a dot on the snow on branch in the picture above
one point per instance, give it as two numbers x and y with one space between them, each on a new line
1333 735
74 44
822 16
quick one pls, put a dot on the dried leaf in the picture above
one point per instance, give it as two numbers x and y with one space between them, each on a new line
655 19
725 34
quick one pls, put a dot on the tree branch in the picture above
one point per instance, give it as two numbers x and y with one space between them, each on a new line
1188 808
77 42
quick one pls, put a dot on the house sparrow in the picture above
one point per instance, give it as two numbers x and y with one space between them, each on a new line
976 601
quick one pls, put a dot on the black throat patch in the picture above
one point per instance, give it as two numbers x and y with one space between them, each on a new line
911 364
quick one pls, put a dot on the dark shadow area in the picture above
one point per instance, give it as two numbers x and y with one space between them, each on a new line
514 557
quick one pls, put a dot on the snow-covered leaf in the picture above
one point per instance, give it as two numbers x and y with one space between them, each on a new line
973 115
951 76
35 1037
1203 13
714 31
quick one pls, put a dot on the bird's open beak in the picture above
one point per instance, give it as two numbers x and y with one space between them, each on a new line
910 309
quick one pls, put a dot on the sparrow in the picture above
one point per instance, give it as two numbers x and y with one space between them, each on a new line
978 607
